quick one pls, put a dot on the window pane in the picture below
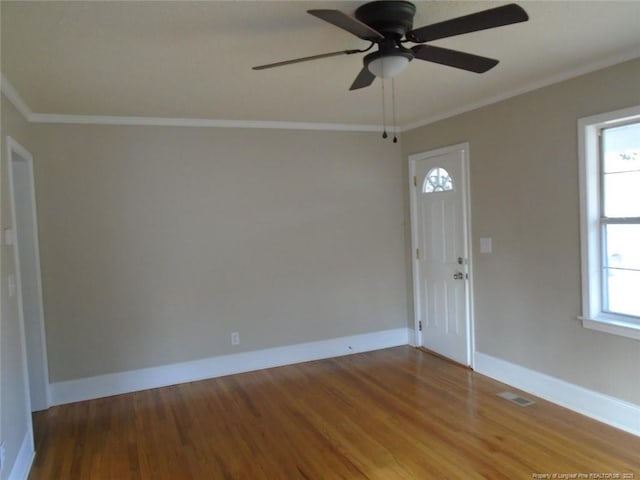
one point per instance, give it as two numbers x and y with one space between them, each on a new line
622 194
621 147
622 289
623 247
437 180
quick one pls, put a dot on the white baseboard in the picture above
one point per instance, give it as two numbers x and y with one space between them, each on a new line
601 407
413 338
22 465
143 379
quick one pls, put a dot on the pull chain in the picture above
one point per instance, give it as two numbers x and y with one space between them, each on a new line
393 107
384 113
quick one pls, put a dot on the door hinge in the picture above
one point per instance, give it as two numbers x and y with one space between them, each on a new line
420 325
417 253
415 181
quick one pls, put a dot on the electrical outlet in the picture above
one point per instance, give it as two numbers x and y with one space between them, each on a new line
235 338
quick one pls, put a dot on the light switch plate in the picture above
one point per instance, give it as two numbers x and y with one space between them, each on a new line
486 245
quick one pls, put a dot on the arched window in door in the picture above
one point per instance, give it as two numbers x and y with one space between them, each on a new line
437 180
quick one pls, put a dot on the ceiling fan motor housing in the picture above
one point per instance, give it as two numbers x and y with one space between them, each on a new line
393 19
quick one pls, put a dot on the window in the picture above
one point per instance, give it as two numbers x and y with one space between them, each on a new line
610 221
437 180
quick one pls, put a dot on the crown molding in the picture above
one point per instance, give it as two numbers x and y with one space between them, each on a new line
14 97
198 122
560 77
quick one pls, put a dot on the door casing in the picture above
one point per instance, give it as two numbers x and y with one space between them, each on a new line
464 147
32 328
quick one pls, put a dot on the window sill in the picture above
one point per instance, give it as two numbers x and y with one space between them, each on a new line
615 327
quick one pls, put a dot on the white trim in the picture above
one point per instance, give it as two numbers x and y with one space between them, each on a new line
14 97
413 337
21 105
24 460
197 122
601 407
593 316
13 147
413 222
135 380
617 116
466 201
589 191
469 252
614 326
545 82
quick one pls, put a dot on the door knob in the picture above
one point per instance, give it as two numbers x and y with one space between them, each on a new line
458 276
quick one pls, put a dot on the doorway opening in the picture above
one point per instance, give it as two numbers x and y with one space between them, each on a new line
24 238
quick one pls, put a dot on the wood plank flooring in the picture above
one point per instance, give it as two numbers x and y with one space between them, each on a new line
398 413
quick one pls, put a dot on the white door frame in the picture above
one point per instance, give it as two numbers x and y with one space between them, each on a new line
17 153
466 196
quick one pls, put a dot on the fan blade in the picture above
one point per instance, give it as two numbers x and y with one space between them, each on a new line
364 79
494 17
305 59
454 58
348 23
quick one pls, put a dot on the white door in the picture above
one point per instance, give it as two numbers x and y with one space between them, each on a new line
439 213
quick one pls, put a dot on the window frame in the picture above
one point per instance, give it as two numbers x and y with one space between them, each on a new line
591 224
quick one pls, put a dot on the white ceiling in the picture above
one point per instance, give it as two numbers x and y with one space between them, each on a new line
193 59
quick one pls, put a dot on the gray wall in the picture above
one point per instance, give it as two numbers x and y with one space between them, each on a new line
13 401
524 194
158 242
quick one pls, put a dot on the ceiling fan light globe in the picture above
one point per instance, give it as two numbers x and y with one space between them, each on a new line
388 66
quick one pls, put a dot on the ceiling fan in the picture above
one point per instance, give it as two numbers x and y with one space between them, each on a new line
388 24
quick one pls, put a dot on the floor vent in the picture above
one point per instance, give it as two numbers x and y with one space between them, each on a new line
517 399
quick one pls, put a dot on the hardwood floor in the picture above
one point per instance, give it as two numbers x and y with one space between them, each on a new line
393 414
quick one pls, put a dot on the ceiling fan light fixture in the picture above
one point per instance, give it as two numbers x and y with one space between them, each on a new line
387 65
